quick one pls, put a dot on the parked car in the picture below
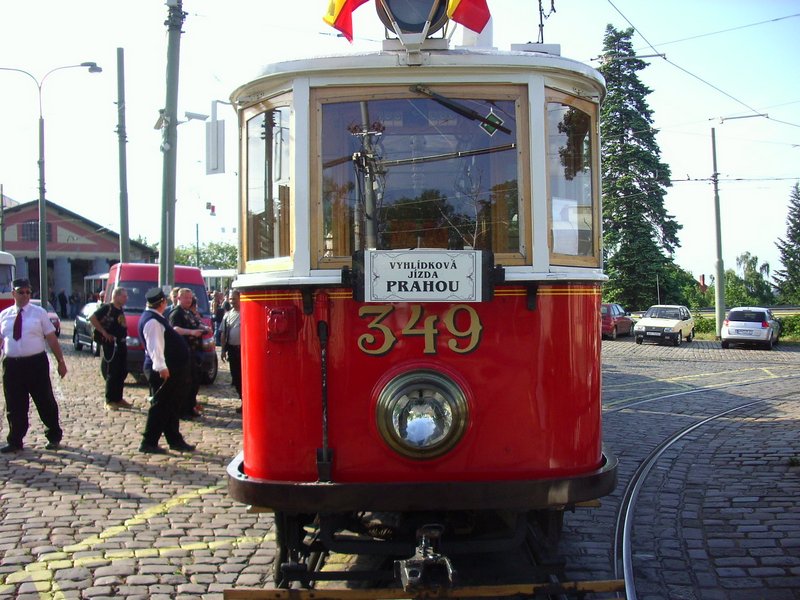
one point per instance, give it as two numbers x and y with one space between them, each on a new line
665 323
51 313
750 325
615 321
83 333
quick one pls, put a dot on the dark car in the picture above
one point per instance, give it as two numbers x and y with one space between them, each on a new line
83 334
616 321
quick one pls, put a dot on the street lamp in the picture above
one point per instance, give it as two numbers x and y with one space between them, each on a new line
93 68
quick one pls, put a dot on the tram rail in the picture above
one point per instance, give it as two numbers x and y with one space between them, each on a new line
623 553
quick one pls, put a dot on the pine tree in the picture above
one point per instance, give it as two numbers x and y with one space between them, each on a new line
787 280
638 233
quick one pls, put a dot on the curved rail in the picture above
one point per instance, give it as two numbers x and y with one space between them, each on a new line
624 522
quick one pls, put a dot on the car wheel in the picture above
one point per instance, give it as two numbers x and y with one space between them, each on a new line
768 344
208 377
679 338
613 334
725 345
690 337
75 343
639 340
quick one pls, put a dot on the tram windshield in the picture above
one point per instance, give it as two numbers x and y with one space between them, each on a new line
420 167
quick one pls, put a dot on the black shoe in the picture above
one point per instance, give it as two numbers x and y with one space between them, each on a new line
183 447
53 445
151 449
10 448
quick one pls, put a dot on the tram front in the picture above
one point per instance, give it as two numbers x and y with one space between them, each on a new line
420 284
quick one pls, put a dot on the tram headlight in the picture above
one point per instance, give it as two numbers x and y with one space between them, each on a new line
422 414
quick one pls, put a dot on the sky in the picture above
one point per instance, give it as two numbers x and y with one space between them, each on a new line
724 59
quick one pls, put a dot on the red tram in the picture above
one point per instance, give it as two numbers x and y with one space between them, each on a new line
420 284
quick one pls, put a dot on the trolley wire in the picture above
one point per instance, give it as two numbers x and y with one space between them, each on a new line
700 79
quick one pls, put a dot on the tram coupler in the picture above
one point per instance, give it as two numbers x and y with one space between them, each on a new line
427 570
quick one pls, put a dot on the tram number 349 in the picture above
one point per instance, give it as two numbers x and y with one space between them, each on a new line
460 321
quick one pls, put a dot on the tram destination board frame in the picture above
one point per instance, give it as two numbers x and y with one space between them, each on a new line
424 275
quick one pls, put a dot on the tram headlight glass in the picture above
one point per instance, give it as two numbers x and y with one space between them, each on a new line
422 414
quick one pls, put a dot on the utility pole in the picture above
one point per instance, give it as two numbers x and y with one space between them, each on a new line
719 284
124 238
2 219
169 144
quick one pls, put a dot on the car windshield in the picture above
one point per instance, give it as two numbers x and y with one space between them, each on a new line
663 312
137 290
747 316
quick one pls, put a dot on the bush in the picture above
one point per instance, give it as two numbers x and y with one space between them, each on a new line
790 326
704 325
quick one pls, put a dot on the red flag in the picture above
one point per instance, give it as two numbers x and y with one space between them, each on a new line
340 15
472 14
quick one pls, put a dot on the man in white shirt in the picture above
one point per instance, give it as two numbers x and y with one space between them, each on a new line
166 357
25 332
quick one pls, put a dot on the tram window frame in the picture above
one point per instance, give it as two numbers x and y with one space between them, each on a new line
283 193
591 109
516 93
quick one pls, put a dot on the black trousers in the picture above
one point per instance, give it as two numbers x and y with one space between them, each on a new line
24 378
235 362
116 357
191 387
162 417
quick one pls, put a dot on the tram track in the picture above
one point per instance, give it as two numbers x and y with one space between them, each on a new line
622 551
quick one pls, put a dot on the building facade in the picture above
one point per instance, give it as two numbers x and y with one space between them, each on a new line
76 246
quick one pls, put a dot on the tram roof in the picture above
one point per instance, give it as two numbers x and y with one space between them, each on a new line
385 65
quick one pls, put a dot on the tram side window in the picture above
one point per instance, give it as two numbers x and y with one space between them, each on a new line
402 170
268 185
6 277
571 181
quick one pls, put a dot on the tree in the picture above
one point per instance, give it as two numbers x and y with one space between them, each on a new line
638 233
787 280
755 279
213 255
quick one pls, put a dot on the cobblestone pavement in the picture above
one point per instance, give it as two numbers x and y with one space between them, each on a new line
98 519
718 518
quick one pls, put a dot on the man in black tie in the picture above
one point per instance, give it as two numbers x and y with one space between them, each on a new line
25 332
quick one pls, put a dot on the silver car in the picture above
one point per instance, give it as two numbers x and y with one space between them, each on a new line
750 325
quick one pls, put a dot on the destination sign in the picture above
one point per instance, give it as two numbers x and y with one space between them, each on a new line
428 275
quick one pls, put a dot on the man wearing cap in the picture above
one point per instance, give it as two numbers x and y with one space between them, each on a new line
25 333
166 358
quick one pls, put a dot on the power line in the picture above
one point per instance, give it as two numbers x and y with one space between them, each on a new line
700 79
702 35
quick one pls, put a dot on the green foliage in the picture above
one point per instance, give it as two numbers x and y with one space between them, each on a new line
790 326
213 255
705 325
638 233
787 280
750 288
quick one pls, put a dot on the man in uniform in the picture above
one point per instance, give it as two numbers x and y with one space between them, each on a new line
110 327
166 358
25 330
